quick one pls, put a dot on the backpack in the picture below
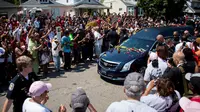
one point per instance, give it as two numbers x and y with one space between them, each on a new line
185 83
174 108
175 104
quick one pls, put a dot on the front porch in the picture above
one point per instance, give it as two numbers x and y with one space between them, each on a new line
91 9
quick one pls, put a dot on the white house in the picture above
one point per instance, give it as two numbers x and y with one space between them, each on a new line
193 7
78 7
44 5
60 7
121 6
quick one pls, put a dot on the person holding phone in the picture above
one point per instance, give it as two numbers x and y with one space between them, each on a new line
55 52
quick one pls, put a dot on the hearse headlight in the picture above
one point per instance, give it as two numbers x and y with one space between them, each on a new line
101 54
127 66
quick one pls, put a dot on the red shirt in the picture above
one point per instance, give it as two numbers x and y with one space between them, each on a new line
23 37
98 22
195 98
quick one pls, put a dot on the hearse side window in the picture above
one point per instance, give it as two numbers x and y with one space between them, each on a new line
153 49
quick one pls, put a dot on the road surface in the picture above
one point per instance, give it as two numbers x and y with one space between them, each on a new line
100 92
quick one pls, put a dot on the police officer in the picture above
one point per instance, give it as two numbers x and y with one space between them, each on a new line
19 86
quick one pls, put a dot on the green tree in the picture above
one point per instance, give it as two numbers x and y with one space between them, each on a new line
16 2
159 8
101 1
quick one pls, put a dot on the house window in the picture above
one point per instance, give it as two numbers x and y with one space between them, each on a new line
44 1
110 5
120 9
67 1
89 0
140 11
131 10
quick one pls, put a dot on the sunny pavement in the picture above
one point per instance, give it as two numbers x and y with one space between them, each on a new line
100 92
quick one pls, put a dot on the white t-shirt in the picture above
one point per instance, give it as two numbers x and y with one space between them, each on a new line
29 106
17 33
55 52
129 106
161 104
178 46
156 72
51 35
97 35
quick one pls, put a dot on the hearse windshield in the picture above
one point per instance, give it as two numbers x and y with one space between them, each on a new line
138 43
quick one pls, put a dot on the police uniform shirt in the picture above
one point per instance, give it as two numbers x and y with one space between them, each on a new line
18 90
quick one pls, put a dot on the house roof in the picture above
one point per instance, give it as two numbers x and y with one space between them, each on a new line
129 3
89 6
4 4
191 10
93 4
56 3
31 2
34 3
195 0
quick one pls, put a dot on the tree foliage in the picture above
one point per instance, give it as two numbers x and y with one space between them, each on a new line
16 2
159 8
101 1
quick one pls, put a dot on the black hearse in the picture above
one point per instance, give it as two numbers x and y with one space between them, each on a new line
132 54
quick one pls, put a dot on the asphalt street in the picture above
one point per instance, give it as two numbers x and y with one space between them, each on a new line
100 92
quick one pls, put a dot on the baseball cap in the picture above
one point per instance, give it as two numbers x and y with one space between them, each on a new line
193 78
134 84
189 106
190 76
38 87
153 56
79 100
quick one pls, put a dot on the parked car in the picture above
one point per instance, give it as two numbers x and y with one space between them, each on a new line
132 54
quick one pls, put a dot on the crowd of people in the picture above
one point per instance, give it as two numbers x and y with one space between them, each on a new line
29 45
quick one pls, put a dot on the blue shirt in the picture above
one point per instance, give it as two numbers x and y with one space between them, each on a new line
37 24
66 47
